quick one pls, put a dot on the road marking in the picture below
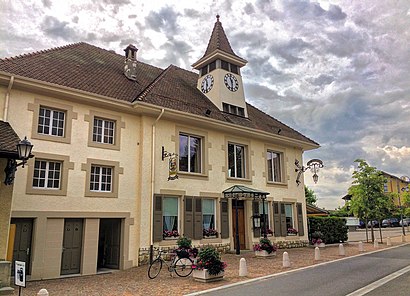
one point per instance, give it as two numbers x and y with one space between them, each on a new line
381 282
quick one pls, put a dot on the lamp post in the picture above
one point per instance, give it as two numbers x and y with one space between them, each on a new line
24 148
404 189
314 165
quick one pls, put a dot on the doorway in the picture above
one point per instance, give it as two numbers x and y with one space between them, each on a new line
72 246
109 243
241 222
22 242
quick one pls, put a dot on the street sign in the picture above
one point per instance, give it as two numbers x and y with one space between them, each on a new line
20 274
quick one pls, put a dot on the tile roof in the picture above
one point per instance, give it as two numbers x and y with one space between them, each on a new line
219 40
91 69
8 139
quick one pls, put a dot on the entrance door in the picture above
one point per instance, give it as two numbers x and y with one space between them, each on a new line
241 223
72 245
109 244
22 242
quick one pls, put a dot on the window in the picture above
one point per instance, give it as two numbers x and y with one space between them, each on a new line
47 174
170 216
264 218
232 109
51 122
289 215
386 189
189 153
208 217
236 161
101 178
103 131
234 69
274 166
225 65
212 66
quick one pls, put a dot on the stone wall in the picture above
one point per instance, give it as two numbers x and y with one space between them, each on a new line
292 244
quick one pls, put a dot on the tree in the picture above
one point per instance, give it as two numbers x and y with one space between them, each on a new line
310 196
405 203
368 198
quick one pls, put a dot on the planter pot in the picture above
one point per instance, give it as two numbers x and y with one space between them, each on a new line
321 245
264 253
205 277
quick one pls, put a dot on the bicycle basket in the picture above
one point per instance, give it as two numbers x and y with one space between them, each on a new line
182 253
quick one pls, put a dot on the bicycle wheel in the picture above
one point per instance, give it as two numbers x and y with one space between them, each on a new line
183 267
154 268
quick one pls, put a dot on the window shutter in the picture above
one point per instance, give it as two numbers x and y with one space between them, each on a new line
276 218
300 219
198 234
255 211
224 219
283 226
188 217
157 235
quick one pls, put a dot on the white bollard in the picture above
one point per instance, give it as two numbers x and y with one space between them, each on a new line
341 250
388 241
243 270
317 254
286 261
42 292
376 244
361 249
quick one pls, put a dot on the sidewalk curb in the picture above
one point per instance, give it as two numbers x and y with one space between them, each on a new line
287 272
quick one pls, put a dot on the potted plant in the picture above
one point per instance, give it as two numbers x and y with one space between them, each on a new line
209 266
269 232
317 239
292 231
209 232
170 234
265 248
184 247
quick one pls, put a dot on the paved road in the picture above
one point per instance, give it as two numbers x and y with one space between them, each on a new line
336 278
360 234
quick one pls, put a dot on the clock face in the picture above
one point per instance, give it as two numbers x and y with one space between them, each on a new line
231 82
207 83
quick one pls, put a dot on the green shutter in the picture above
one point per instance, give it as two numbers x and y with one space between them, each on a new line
157 235
300 219
276 219
224 219
198 234
255 211
283 227
188 216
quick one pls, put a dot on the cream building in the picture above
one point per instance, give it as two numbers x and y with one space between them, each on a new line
96 195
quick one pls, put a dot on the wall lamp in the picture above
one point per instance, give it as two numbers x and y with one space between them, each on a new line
314 165
24 148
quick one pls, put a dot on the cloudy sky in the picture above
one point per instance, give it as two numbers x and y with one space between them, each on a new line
337 71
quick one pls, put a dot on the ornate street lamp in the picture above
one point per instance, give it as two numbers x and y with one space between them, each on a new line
24 148
314 165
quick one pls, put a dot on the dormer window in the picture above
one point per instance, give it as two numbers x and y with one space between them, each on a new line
232 109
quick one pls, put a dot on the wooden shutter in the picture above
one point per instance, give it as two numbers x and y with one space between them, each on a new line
283 226
224 219
198 234
188 216
300 219
255 211
157 235
276 218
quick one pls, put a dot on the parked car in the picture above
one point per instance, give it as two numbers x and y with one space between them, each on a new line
374 222
362 224
405 222
390 222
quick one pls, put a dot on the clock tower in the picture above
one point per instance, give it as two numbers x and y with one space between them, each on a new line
219 74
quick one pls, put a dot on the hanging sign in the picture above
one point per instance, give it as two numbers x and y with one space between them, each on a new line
173 167
20 274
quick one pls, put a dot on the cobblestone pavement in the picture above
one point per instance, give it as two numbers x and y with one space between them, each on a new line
135 281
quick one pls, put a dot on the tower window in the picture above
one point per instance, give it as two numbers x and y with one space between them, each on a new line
212 66
225 65
234 69
232 109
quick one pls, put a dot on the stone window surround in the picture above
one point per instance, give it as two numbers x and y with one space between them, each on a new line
69 116
283 161
205 146
249 173
117 170
117 130
66 165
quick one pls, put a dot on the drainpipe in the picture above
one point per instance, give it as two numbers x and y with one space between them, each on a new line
6 103
151 247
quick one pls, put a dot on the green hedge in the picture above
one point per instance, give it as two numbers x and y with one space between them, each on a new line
334 229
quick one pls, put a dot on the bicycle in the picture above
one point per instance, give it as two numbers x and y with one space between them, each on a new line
181 266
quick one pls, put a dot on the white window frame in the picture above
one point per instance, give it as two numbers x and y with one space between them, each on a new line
189 136
48 174
272 168
178 212
293 215
52 120
101 176
104 137
214 213
244 159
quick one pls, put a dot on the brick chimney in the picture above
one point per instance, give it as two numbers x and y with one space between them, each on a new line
130 68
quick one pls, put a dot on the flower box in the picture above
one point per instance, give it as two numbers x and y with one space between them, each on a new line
264 253
202 275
